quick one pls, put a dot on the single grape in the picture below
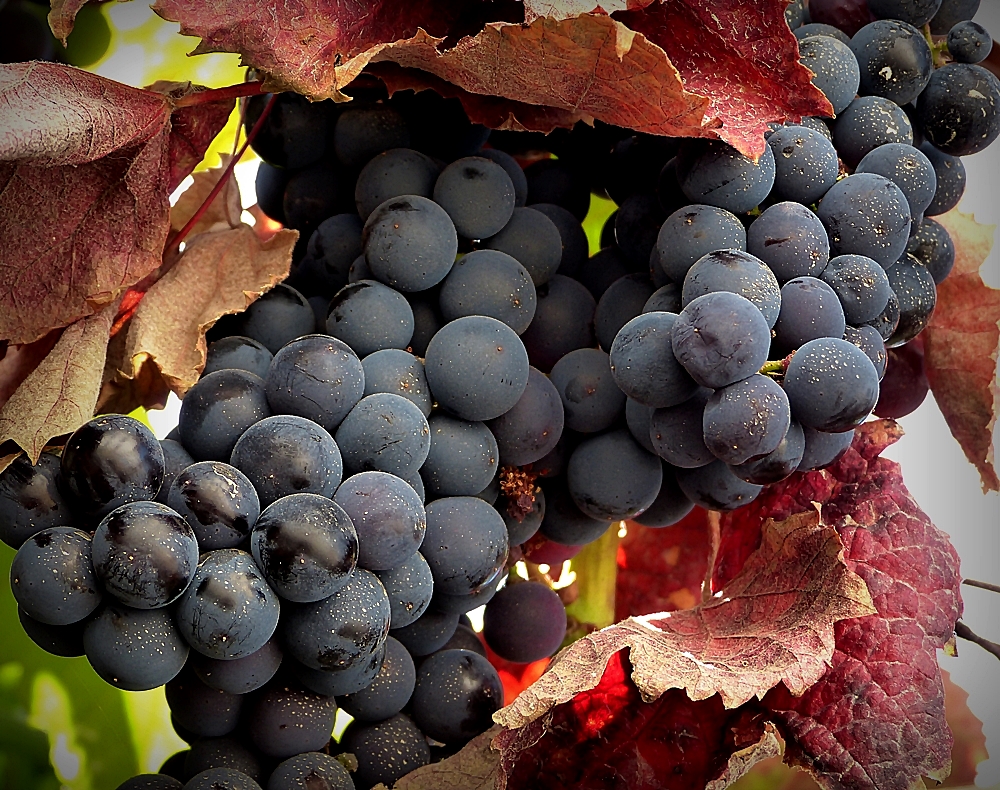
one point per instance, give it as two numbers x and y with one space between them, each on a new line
810 308
241 353
908 169
428 633
951 177
228 611
391 174
525 622
779 463
199 709
677 432
456 694
916 12
666 299
217 410
409 586
438 126
917 294
670 505
52 576
109 461
286 720
959 110
59 640
894 59
269 185
611 477
295 132
363 131
555 181
746 420
836 69
389 692
887 321
286 454
564 522
331 250
795 12
225 752
575 247
932 246
643 363
465 545
790 239
463 458
590 397
386 433
490 283
867 123
713 172
860 284
715 487
239 675
221 779
512 168
563 322
369 316
532 427
521 525
478 196
386 751
831 385
905 385
461 604
951 13
969 42
31 499
867 214
398 372
277 317
218 501
533 240
820 29
336 682
870 341
310 771
465 638
620 303
822 448
736 272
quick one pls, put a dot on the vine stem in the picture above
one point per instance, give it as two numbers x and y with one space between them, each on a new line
227 173
982 585
964 632
221 94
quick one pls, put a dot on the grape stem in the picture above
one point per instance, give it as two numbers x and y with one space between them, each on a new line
982 585
939 49
962 631
776 367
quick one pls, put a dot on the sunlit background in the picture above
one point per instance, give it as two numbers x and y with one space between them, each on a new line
98 736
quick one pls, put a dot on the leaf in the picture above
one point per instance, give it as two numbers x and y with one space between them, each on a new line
85 173
528 70
62 16
961 346
225 210
18 361
218 273
473 768
60 394
970 742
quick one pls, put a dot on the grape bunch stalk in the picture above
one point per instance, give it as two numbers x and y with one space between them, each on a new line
447 383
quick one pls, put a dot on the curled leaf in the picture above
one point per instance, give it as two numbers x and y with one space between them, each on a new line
222 213
62 16
961 346
473 768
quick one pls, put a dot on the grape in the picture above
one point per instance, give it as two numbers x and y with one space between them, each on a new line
575 247
389 692
477 194
620 303
391 174
174 765
888 319
553 181
398 372
386 751
490 283
916 12
815 124
822 448
870 341
239 675
677 435
866 214
791 240
306 547
637 225
795 12
607 238
611 477
932 246
134 649
428 633
905 385
409 587
332 248
819 29
521 530
269 185
633 166
533 240
835 67
410 242
175 460
456 694
240 353
427 320
343 630
109 461
958 110
532 427
805 163
831 385
951 180
466 544
720 338
512 168
224 752
908 169
867 123
664 300
564 522
524 622
563 322
334 683
637 418
914 288
52 576
217 410
951 13
492 491
145 554
221 779
860 284
713 172
715 487
203 711
59 640
600 270
736 272
670 505
218 501
316 377
277 317
31 499
384 432
151 782
477 367
847 15
894 58
286 454
969 42
779 463
310 771
643 363
438 126
360 270
465 638
295 132
591 399
542 551
364 131
286 720
746 420
463 458
369 316
810 308
227 611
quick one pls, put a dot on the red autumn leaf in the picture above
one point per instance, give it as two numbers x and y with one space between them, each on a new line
62 16
729 81
961 346
85 172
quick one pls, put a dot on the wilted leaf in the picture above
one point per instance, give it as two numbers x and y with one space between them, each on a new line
18 361
961 346
223 212
970 742
84 179
60 394
62 16
473 768
218 273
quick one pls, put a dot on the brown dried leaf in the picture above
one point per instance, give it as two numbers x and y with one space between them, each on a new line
473 768
223 213
961 346
61 393
774 623
740 762
62 16
218 273
18 361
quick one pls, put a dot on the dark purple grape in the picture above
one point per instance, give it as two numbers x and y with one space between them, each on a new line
670 505
666 299
456 694
861 285
239 353
643 364
737 272
835 68
575 247
201 710
932 246
691 233
715 173
555 181
620 303
867 214
52 576
831 385
295 132
310 771
31 499
512 168
951 178
221 779
365 130
173 766
887 321
870 341
389 692
637 418
466 544
386 751
277 317
563 322
611 477
532 427
779 463
59 640
239 675
746 420
463 458
384 433
465 638
590 397
605 267
226 752
959 110
492 283
524 622
715 487
370 316
286 720
677 435
564 522
218 501
869 121
533 240
332 248
894 58
969 42
410 587
637 224
905 385
477 194
391 174
822 449
790 239
810 308
410 243
217 410
336 682
428 633
914 287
